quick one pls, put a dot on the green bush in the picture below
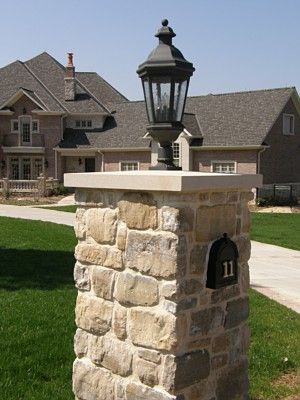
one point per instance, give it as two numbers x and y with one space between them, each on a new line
60 190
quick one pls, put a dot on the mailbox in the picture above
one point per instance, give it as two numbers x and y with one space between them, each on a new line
222 264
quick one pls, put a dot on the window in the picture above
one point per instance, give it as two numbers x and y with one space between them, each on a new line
129 166
84 123
176 153
288 124
35 126
37 167
14 168
26 167
14 125
224 167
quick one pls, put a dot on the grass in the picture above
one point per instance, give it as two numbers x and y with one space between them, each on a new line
278 229
274 350
37 299
68 208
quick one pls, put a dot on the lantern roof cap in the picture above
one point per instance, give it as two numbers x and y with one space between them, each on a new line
166 55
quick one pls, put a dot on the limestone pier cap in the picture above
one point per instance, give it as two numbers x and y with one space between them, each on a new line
170 181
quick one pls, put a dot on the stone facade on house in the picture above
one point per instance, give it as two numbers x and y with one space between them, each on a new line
147 326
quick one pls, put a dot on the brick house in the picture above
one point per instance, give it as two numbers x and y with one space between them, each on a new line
55 120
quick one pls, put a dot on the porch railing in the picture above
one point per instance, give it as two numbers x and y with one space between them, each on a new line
40 187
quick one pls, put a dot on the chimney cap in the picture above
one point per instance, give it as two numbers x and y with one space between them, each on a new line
70 60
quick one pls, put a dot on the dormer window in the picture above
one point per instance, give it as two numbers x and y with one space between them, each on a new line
85 123
288 124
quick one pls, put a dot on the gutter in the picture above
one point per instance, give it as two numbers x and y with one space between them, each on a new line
225 148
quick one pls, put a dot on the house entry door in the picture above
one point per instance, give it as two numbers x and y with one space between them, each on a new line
90 164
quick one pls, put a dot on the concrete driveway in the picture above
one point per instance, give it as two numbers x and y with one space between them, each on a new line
274 271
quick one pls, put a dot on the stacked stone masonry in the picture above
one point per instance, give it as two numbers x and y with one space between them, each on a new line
147 326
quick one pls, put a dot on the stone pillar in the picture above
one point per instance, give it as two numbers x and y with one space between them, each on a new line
147 326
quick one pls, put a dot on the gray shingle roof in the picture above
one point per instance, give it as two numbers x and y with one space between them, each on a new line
233 119
44 76
239 119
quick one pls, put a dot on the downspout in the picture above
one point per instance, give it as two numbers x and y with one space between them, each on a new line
102 160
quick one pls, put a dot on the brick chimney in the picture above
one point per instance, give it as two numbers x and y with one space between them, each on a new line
70 84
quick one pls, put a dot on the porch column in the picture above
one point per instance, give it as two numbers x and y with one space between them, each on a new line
149 324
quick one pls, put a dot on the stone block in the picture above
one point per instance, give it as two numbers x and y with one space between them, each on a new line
82 276
212 222
121 235
119 320
103 282
92 383
135 289
81 340
149 355
198 260
152 328
218 198
191 368
244 248
102 225
199 344
247 196
206 321
106 256
225 293
177 219
187 304
245 220
233 383
138 210
147 372
190 286
93 314
135 391
113 354
232 197
168 290
152 253
221 343
237 312
79 224
219 361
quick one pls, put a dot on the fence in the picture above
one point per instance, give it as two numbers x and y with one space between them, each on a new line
41 187
280 194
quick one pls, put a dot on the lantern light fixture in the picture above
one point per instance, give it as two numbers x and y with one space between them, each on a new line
165 78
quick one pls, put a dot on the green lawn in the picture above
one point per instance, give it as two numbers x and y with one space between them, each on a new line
68 208
274 228
37 299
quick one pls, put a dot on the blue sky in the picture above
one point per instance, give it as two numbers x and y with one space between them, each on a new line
234 44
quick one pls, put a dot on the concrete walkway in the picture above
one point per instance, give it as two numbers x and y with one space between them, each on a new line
274 271
39 214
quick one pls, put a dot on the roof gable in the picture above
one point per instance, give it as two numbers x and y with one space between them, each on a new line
23 92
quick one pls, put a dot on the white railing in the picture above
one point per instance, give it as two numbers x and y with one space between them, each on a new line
23 186
40 186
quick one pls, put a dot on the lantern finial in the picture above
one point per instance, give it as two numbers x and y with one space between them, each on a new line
165 33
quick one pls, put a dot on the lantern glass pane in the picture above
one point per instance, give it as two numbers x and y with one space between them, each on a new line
180 92
146 86
161 90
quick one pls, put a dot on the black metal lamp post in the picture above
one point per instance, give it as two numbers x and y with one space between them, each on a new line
165 77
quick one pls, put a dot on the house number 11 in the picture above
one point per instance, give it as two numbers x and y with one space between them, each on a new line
227 269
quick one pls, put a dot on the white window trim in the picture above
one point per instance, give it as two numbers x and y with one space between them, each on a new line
288 133
223 162
128 161
12 121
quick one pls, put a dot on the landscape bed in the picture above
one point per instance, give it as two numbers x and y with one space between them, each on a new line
37 299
